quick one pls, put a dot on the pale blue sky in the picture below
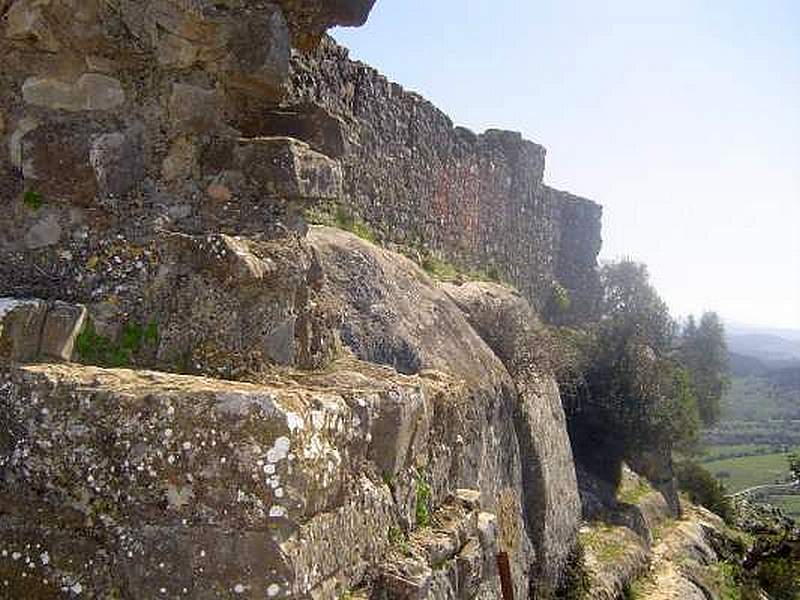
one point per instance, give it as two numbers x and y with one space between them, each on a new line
681 118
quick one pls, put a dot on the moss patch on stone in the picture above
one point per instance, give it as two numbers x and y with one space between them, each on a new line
335 215
33 200
100 350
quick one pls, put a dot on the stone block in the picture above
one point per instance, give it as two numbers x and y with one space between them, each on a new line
24 126
413 582
116 159
20 328
323 131
73 162
55 160
399 427
215 485
194 109
279 343
469 566
284 167
309 19
44 232
91 91
62 325
258 51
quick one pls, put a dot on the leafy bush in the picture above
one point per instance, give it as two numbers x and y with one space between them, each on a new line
620 379
703 352
780 577
794 465
704 489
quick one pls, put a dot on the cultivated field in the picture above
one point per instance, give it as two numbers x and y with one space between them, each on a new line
742 466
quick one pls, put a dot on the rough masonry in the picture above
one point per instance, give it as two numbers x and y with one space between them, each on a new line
478 200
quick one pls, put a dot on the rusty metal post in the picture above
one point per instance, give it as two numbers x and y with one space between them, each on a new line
505 576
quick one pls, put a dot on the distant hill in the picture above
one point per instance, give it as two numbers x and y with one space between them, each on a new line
740 329
765 374
742 365
772 350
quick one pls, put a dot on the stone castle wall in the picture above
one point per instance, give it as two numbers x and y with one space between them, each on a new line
478 200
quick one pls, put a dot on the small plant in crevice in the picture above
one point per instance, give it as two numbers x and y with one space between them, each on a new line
424 497
390 483
574 582
95 349
398 539
559 301
33 200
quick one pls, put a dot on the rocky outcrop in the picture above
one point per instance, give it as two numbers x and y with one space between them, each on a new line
512 330
646 553
394 314
305 484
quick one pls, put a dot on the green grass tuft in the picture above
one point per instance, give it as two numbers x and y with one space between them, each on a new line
439 268
341 218
424 497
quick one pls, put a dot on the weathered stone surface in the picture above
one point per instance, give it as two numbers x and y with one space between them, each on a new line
62 325
258 54
615 557
289 168
177 482
20 326
450 560
229 306
309 19
25 21
45 232
394 314
118 164
56 161
314 125
245 45
92 91
193 108
24 126
399 433
512 330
